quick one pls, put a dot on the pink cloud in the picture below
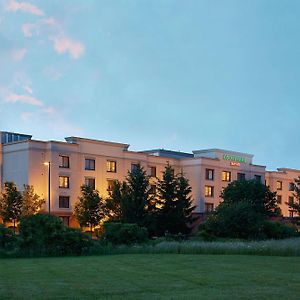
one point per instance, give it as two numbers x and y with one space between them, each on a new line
13 98
64 44
19 54
27 29
25 7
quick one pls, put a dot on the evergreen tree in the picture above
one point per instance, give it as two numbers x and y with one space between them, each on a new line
31 202
89 210
184 205
11 203
295 205
135 199
166 192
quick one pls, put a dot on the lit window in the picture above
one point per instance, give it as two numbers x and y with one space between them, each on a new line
209 207
89 181
64 201
241 176
279 185
209 191
110 184
226 176
111 166
152 190
209 174
89 164
153 171
64 182
291 186
64 161
279 199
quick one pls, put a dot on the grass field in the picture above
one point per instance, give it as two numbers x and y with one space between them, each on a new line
152 276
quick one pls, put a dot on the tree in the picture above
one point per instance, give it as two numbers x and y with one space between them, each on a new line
257 194
295 205
31 202
11 203
89 210
136 197
184 204
166 192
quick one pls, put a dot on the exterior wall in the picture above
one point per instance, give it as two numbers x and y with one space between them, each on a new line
286 176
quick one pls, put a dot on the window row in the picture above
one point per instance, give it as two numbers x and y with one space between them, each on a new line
226 175
90 165
290 199
279 186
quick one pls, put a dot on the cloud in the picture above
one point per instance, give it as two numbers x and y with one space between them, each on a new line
27 29
25 7
28 89
13 98
19 54
64 44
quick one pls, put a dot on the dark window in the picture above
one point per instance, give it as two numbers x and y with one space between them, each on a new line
209 207
291 213
66 220
279 185
209 191
279 199
153 171
226 176
64 201
152 190
209 174
291 186
64 161
241 176
111 166
89 164
64 181
291 200
134 167
88 181
257 178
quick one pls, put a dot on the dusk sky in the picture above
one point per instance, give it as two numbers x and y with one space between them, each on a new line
181 75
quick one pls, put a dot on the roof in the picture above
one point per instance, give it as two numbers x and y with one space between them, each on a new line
168 153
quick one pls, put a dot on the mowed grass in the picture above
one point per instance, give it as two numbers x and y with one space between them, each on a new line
151 276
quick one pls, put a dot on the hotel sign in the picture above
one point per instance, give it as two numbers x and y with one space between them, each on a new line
234 158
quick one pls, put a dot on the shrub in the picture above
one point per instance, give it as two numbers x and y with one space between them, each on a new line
46 234
7 238
276 230
124 233
237 220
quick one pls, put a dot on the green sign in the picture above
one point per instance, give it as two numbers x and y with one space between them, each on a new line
235 158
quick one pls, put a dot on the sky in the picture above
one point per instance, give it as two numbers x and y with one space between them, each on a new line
173 74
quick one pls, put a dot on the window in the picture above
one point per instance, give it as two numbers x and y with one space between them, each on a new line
209 174
153 171
291 186
226 176
241 176
291 213
89 164
291 200
209 207
111 166
134 167
89 181
110 184
209 191
64 201
64 161
64 182
66 220
152 190
279 199
257 178
279 185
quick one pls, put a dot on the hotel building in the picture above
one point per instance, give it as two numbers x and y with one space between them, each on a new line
78 161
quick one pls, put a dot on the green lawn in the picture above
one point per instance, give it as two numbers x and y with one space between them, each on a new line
156 276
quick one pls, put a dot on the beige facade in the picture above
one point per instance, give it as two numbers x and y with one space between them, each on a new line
78 160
